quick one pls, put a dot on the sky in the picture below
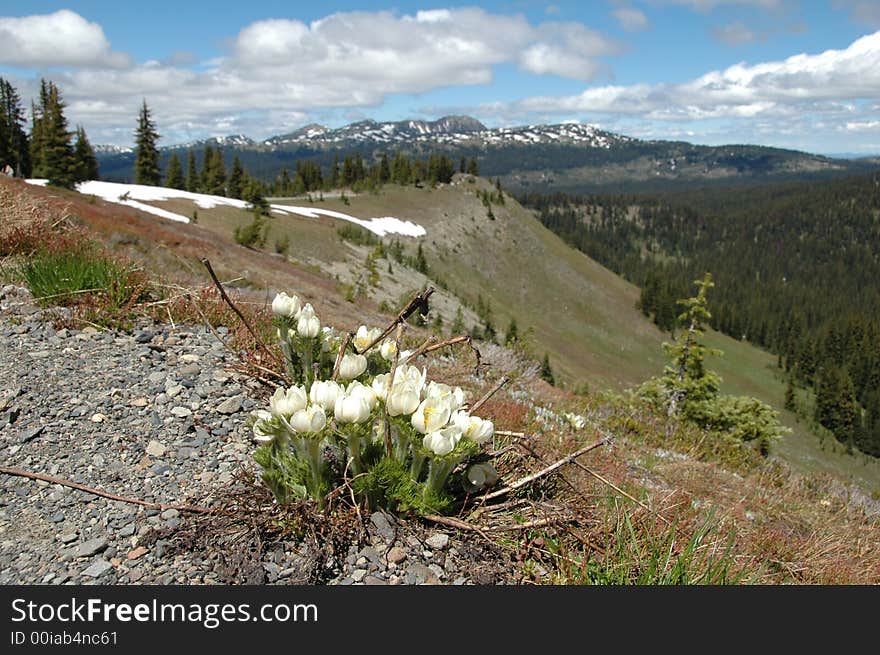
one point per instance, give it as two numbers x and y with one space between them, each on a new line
801 74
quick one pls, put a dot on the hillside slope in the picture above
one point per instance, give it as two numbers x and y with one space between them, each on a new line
565 304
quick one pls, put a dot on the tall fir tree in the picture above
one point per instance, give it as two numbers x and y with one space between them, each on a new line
174 173
84 161
51 151
146 162
192 173
14 145
234 186
213 172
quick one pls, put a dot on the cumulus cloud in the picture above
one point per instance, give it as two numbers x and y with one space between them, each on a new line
708 5
63 38
740 90
631 19
343 61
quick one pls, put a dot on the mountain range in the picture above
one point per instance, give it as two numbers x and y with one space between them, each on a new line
567 156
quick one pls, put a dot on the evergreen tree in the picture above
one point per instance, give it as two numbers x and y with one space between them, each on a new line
511 337
51 150
174 173
213 172
472 167
85 163
193 183
236 178
146 162
14 145
546 370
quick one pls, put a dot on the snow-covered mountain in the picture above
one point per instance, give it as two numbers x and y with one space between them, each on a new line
446 131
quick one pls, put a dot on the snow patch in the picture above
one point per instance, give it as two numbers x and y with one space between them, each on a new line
135 195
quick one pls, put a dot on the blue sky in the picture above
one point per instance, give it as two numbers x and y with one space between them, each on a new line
790 73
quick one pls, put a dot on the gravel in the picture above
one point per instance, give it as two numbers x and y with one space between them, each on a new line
157 415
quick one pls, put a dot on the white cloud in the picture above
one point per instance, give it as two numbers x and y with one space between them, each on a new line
740 90
631 19
278 68
63 38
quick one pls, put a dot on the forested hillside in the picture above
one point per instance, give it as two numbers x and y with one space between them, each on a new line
797 268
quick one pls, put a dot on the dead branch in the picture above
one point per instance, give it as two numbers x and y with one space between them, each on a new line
419 301
482 401
241 316
104 494
545 471
340 355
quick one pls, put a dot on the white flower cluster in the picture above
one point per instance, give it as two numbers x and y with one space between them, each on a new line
428 420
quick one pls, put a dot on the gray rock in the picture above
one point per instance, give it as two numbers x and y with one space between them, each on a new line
230 405
31 433
383 527
91 547
396 555
418 573
438 540
358 574
99 568
155 448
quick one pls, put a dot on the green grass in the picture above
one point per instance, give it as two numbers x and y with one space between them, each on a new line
62 276
646 554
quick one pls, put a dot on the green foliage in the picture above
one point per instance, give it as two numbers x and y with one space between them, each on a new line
14 143
283 473
357 235
546 370
51 151
389 484
254 234
85 165
799 263
174 174
689 391
146 163
282 245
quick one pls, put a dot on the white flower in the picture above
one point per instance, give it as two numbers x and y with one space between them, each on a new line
284 403
442 442
286 306
476 429
482 475
324 393
364 337
404 399
360 390
307 325
432 414
352 366
575 420
264 431
329 339
309 420
411 375
380 385
452 396
352 409
388 349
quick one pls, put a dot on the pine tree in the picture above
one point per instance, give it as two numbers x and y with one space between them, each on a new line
236 178
51 150
472 167
85 163
687 379
213 172
511 337
146 163
192 173
14 145
546 370
458 326
174 173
